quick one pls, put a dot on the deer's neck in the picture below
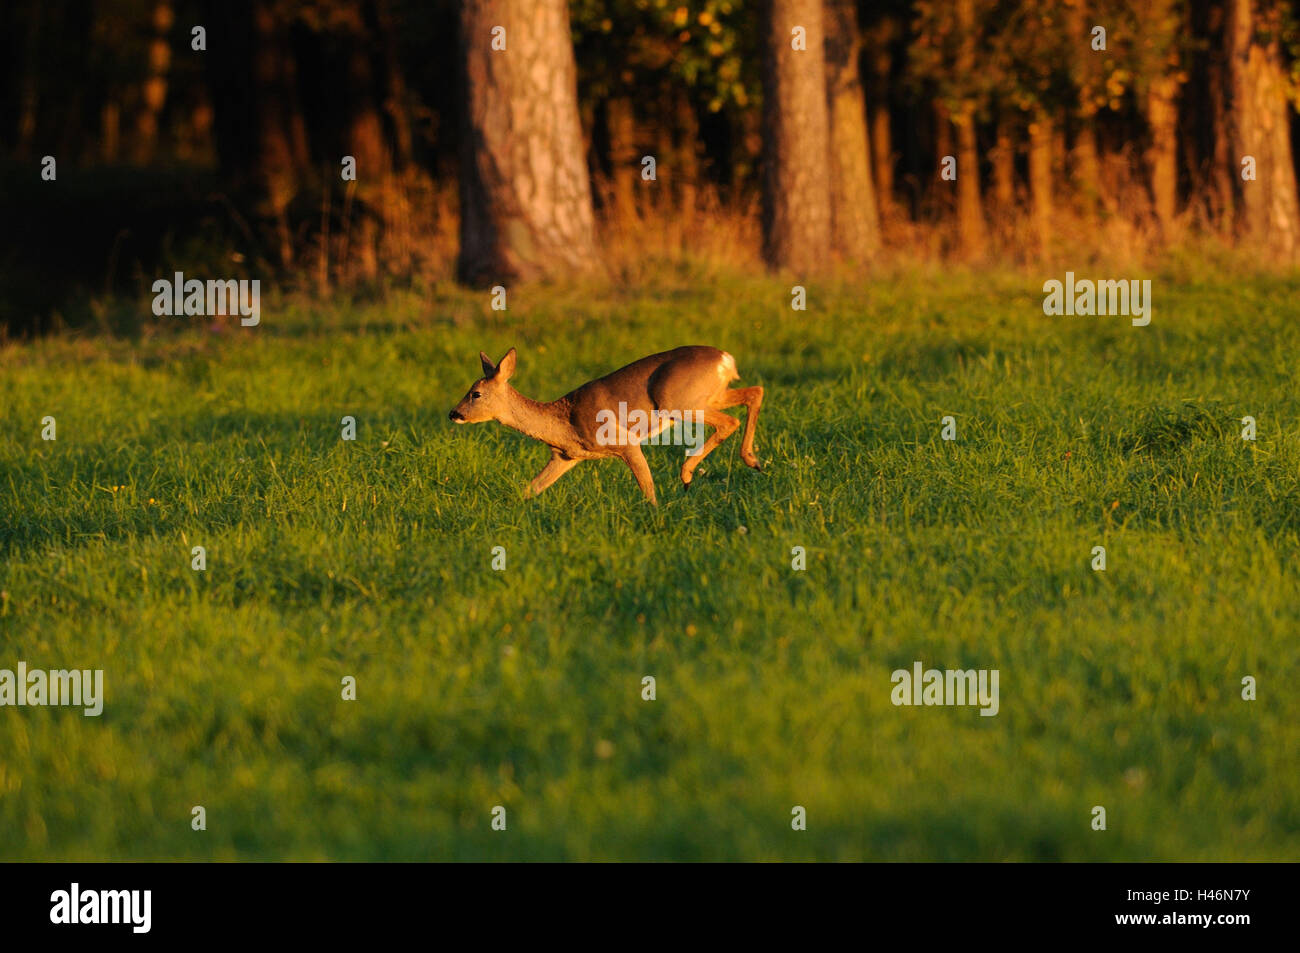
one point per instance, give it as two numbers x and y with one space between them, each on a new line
548 423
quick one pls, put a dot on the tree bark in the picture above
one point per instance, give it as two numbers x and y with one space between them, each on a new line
970 211
1226 172
1268 212
624 167
943 142
153 92
281 139
366 138
525 194
684 174
1085 164
394 85
882 140
1004 166
29 82
855 223
1162 156
260 132
882 157
1040 175
796 138
110 128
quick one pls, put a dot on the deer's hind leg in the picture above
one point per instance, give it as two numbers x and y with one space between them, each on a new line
752 399
724 426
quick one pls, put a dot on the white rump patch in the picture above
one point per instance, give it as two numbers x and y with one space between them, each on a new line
727 369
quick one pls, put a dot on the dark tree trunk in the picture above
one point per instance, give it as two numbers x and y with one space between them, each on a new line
153 92
1085 164
880 60
855 223
260 133
1162 156
685 174
624 167
1260 117
366 136
393 85
1004 165
1226 172
1040 175
970 211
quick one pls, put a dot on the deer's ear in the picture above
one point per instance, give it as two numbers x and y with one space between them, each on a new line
506 369
488 367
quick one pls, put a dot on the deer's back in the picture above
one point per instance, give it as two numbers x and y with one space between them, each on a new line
685 378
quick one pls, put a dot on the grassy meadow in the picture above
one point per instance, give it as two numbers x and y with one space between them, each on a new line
523 687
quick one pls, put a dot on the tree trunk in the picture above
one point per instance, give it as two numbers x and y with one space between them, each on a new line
110 128
1260 118
796 134
1226 172
1004 166
365 136
29 82
684 174
278 122
882 140
855 224
970 212
882 157
1060 153
1085 165
260 133
1162 156
524 192
939 200
394 86
154 90
943 141
1040 175
624 163
1084 176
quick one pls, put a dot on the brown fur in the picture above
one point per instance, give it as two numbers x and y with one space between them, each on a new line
693 378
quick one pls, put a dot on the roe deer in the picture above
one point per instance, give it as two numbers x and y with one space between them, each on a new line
612 415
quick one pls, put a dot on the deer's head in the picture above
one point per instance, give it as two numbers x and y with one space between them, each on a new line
488 396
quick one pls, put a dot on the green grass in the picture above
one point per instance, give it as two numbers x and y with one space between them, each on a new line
523 687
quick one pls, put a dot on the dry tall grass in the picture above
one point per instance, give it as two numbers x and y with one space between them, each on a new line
409 232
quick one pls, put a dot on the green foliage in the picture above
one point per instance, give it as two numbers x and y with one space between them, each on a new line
1028 54
475 688
638 47
936 55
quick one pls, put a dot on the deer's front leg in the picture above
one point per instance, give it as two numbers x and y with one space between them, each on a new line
641 470
551 472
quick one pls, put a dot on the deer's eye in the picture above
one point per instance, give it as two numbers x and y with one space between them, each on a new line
475 395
